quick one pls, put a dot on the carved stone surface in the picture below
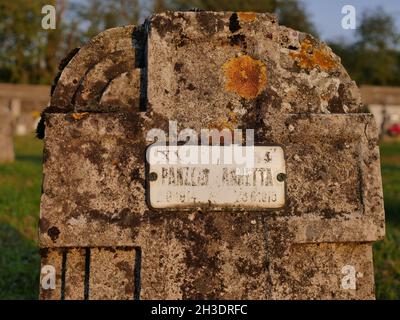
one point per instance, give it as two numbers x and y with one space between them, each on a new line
209 70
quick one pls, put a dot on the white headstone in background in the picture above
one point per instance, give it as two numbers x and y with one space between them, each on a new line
6 136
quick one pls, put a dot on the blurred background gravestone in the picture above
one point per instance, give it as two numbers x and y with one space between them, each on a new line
6 134
25 103
221 70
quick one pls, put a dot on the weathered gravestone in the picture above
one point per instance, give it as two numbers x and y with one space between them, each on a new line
102 239
6 135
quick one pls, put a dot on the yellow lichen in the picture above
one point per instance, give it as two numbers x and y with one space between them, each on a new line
247 16
245 76
79 116
36 114
230 122
310 57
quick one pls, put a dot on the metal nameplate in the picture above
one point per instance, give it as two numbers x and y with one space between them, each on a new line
217 177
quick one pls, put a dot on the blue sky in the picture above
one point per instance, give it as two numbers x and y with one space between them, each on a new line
327 16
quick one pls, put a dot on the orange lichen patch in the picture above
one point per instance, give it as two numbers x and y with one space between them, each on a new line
36 114
310 57
326 96
245 76
247 16
79 116
230 123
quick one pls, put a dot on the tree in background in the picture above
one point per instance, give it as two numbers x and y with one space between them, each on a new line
291 13
95 16
54 44
22 41
29 54
224 5
374 57
159 6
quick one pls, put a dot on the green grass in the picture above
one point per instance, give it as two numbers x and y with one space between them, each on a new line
20 185
387 252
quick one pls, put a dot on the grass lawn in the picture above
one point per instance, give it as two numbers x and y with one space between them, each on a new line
387 252
20 185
